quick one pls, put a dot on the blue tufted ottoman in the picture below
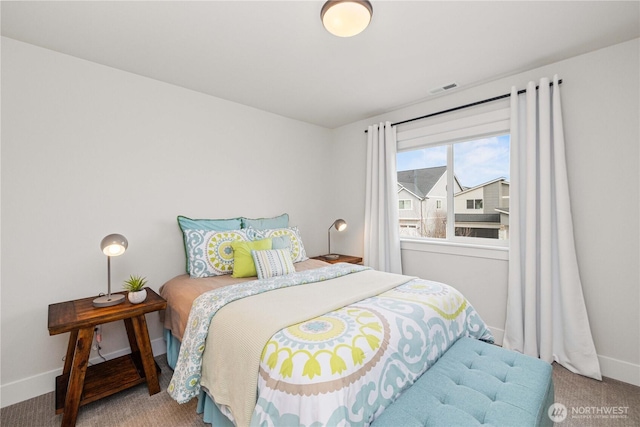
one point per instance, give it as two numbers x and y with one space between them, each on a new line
475 383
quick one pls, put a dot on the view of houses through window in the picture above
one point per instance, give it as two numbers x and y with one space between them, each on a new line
480 189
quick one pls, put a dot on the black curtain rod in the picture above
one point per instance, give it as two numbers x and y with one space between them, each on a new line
461 107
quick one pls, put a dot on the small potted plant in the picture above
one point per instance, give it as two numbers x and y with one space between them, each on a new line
135 285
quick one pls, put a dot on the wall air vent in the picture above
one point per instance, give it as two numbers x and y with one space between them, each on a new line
443 88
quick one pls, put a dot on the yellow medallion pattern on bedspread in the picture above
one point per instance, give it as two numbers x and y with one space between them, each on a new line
353 341
185 383
345 367
232 360
344 349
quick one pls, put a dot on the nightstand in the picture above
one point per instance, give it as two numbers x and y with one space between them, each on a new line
79 383
341 258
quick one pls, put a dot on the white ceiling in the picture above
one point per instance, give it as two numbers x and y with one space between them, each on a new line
277 57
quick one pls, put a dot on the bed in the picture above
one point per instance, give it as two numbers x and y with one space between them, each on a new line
324 344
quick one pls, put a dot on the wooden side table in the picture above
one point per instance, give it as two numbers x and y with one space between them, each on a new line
341 258
79 383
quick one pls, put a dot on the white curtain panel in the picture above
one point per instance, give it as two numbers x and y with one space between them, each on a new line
381 225
546 312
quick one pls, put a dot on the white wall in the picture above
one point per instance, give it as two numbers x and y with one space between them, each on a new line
89 150
600 97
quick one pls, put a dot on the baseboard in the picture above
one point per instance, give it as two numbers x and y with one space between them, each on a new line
28 388
620 370
609 367
498 334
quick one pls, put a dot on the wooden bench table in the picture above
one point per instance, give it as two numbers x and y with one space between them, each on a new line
79 383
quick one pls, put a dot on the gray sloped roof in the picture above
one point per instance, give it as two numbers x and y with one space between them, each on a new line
411 187
421 179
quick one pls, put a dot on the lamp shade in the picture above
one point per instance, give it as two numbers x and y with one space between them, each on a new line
346 18
340 224
114 245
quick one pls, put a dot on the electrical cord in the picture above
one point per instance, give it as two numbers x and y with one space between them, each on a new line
98 339
101 356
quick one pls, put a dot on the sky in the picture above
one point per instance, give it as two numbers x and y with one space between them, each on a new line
474 162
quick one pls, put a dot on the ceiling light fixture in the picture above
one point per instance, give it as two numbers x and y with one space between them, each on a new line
346 18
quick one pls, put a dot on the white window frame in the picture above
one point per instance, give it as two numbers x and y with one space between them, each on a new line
448 133
406 200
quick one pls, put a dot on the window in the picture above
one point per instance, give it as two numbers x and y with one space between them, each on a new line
474 203
405 204
461 169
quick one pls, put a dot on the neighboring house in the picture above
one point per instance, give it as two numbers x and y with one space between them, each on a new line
480 211
483 210
422 198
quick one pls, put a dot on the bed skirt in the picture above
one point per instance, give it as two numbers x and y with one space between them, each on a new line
210 412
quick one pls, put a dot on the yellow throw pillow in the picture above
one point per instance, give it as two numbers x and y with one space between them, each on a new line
243 265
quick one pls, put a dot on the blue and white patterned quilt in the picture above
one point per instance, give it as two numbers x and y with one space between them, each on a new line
344 367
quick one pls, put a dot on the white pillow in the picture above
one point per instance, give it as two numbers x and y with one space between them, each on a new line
273 262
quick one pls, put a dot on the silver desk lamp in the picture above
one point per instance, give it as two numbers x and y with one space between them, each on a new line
340 225
112 245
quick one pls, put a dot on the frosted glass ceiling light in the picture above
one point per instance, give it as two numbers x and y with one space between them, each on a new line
346 18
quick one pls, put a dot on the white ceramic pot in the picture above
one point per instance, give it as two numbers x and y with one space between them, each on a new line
137 297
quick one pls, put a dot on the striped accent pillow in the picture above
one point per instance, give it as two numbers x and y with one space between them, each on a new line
273 262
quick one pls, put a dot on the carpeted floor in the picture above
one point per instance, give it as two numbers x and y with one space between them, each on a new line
132 407
589 403
592 403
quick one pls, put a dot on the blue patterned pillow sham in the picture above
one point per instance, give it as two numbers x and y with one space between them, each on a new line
281 221
186 224
210 253
295 241
209 224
